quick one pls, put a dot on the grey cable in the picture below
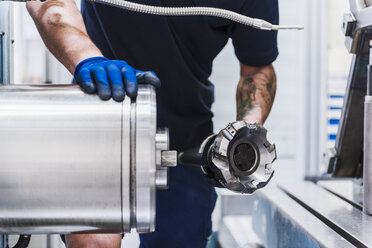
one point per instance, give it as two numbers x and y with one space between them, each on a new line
191 11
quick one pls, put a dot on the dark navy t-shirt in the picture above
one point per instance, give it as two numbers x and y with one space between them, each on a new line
181 50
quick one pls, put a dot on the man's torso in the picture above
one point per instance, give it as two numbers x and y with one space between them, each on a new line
180 50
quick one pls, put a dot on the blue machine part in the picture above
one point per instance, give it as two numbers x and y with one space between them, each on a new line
335 103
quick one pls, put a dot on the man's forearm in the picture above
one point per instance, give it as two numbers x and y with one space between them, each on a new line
255 93
62 28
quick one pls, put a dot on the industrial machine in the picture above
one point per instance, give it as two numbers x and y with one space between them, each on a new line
351 156
332 210
71 163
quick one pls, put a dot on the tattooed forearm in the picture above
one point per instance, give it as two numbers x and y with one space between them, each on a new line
255 93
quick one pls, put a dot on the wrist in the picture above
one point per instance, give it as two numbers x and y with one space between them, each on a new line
89 60
253 116
253 120
83 49
75 60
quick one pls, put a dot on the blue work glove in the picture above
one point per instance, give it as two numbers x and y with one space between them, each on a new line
111 78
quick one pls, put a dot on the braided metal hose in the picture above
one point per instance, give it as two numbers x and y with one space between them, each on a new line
195 11
190 11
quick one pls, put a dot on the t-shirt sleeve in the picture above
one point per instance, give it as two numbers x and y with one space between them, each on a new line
255 47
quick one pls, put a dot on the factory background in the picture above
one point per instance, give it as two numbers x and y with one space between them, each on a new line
312 71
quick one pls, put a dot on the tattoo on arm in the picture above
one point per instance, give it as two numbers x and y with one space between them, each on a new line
255 95
246 96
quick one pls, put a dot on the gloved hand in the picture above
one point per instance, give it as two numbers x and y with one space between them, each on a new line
111 78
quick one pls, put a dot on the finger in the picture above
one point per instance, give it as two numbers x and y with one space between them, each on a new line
130 81
116 83
85 81
102 84
148 77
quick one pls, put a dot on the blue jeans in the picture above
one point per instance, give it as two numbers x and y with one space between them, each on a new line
183 212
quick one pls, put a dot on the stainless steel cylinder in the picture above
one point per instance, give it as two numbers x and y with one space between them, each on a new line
367 160
70 162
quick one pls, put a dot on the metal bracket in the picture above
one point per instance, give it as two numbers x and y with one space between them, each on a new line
348 24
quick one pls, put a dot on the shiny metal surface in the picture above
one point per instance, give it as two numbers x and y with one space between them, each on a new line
67 162
58 148
272 219
168 158
350 222
239 157
145 159
367 160
350 190
237 231
164 158
126 170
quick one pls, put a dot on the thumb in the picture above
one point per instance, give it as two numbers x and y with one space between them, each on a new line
148 77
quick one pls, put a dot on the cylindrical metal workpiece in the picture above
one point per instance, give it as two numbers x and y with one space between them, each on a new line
367 161
70 162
